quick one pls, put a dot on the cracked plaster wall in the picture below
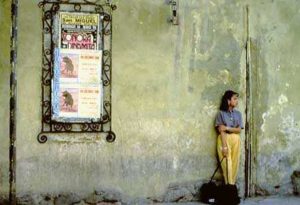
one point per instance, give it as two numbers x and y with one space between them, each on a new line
167 84
275 36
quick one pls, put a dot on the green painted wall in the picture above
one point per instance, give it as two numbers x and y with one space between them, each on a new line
167 85
5 26
275 37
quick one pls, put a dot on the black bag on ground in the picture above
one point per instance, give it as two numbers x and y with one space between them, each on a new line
209 192
227 194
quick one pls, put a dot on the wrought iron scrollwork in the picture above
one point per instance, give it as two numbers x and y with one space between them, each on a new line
42 138
50 9
110 136
106 67
77 7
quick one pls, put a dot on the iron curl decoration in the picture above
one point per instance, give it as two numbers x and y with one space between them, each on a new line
94 127
77 7
67 127
47 117
84 127
106 67
105 118
107 108
42 138
50 10
46 68
48 15
55 8
111 137
58 127
99 9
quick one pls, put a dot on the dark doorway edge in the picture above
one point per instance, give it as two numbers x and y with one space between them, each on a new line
13 101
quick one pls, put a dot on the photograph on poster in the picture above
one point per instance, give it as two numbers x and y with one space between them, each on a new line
69 100
69 65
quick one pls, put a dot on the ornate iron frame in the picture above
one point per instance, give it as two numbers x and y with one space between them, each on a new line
50 9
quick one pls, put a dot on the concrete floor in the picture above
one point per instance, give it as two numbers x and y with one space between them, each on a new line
272 201
292 200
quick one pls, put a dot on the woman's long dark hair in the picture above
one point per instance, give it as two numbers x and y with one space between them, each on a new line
227 96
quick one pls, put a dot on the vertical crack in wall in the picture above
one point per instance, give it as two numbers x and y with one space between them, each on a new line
248 160
13 101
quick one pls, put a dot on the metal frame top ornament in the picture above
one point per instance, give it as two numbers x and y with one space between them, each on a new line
50 9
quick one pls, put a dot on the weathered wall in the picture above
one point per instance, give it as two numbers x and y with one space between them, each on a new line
167 84
275 64
5 25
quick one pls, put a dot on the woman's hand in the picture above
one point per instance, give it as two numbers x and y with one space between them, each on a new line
222 128
225 151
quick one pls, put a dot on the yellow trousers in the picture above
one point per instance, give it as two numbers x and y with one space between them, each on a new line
233 158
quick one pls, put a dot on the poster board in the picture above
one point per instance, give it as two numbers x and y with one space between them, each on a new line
76 80
77 91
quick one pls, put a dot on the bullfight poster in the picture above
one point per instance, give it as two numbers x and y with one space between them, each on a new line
79 31
77 94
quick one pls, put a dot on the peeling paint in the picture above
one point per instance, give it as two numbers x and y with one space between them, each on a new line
289 128
175 162
264 116
282 99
